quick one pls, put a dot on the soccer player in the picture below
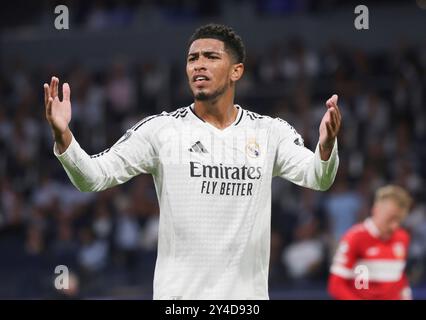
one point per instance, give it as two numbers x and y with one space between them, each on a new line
212 164
370 259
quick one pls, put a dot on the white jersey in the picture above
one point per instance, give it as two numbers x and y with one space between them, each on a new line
214 192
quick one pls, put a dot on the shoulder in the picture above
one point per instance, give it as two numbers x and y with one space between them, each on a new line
355 233
285 126
178 113
278 127
253 116
257 119
157 121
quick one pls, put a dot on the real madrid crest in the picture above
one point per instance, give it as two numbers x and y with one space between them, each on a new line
252 148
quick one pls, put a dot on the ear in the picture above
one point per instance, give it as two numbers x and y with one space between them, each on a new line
237 71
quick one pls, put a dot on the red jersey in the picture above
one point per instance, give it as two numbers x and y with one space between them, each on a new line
368 267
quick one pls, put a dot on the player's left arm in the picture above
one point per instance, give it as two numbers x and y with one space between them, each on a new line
296 163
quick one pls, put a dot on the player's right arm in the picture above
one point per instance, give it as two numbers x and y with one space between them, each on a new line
58 113
131 155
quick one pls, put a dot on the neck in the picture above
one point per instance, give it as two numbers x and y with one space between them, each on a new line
219 112
378 227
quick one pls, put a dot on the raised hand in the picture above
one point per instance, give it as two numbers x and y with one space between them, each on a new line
329 127
58 113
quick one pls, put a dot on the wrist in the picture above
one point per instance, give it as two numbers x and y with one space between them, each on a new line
62 139
327 146
325 150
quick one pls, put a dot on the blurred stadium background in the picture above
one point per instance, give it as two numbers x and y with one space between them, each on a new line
125 60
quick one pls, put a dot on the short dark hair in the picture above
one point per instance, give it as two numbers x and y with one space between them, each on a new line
233 42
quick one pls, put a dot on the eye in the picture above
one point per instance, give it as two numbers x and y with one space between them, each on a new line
192 58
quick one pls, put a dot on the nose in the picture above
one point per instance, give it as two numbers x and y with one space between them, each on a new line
200 64
199 67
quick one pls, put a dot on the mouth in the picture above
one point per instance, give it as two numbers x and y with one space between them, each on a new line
200 79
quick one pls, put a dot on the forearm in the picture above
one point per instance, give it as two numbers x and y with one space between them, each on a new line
93 173
306 168
324 170
109 168
62 140
82 171
313 172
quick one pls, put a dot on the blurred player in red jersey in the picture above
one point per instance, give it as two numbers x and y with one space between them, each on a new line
370 260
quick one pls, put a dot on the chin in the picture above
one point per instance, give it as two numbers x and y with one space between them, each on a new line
205 95
387 236
202 96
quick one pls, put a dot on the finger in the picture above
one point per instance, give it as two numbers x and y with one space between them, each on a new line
330 120
66 92
332 101
328 103
337 107
335 123
332 126
338 115
46 93
49 106
330 130
52 82
334 117
337 120
55 87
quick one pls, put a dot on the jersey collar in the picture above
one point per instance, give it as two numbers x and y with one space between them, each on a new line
371 228
235 123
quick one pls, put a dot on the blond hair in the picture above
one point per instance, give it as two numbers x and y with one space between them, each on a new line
396 193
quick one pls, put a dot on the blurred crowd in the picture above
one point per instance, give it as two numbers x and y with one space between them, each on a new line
112 14
108 240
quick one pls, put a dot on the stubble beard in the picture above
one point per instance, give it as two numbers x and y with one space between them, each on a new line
203 96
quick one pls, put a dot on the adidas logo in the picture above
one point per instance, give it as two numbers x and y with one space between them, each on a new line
198 147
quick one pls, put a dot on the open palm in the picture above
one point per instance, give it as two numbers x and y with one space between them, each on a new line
58 113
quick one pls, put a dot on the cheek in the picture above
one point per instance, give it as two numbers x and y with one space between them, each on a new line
222 71
226 76
391 224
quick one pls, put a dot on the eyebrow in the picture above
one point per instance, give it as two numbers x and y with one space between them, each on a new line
206 53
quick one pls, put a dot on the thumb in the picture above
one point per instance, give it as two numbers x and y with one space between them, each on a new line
66 91
332 101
